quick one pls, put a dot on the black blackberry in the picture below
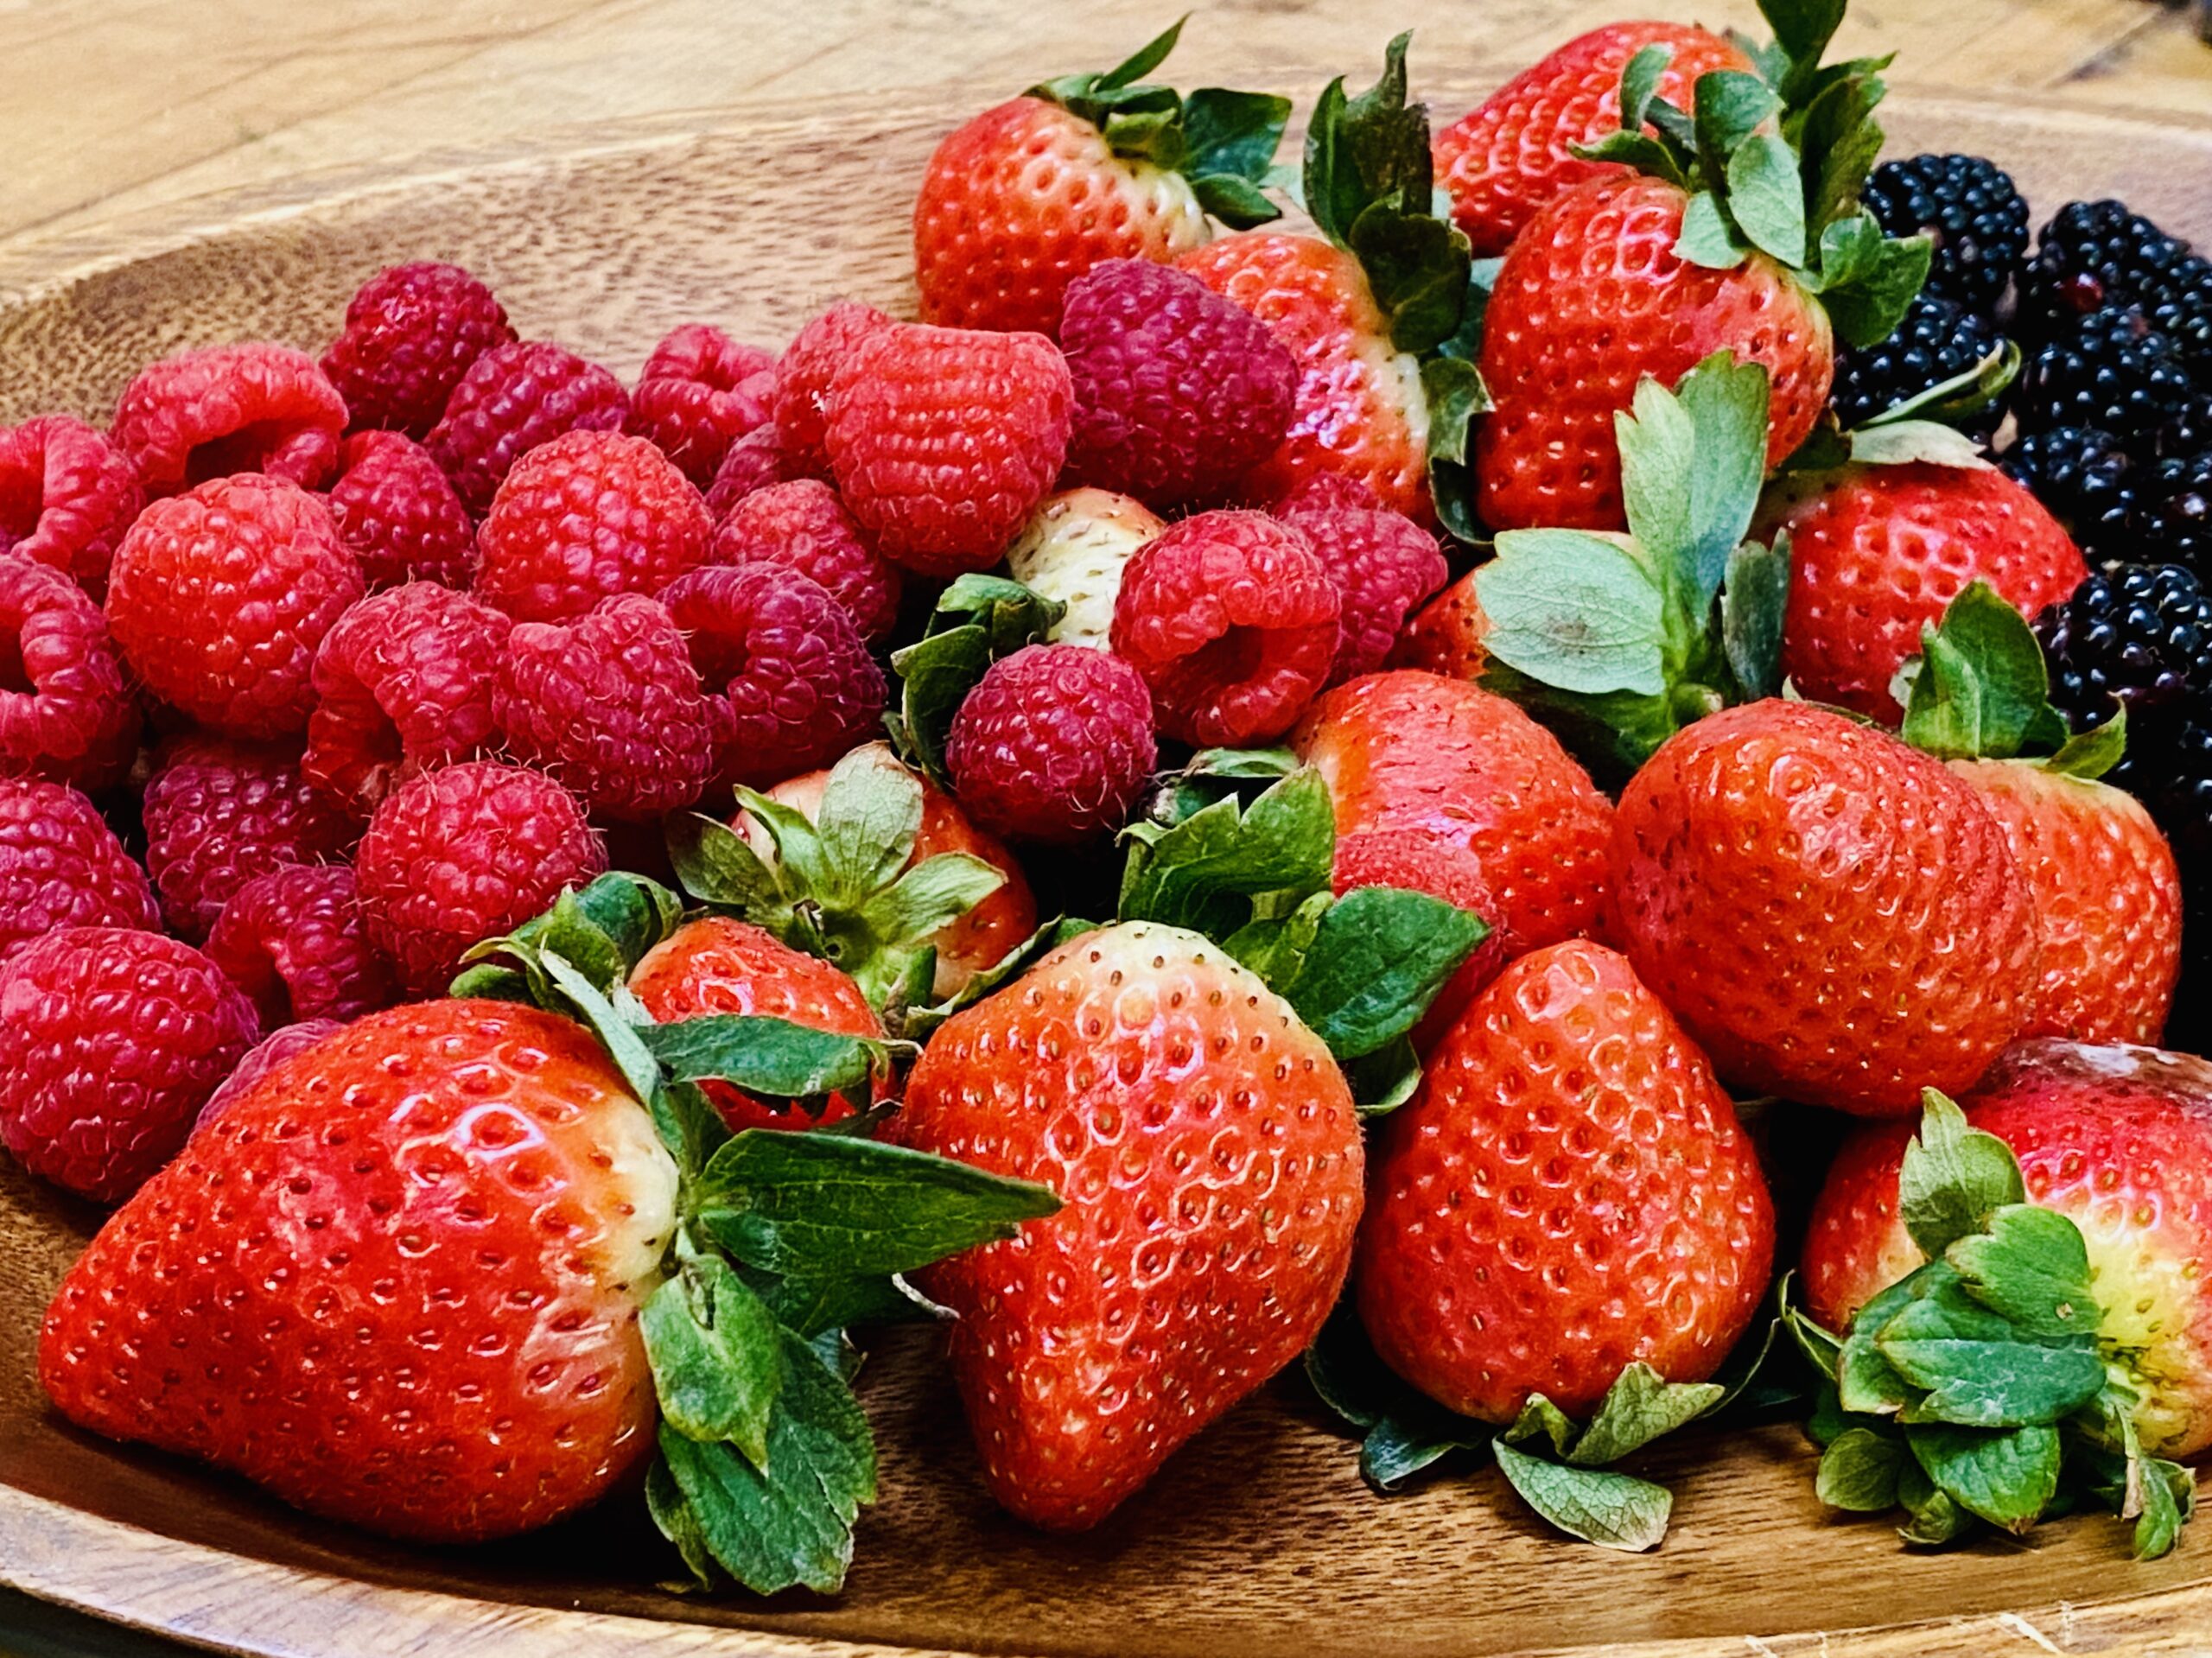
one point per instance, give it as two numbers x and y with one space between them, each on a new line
2184 809
2112 371
1938 341
2093 254
1969 206
2181 309
2172 518
2190 431
2140 637
2086 478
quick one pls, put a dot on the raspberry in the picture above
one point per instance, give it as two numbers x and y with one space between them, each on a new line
1231 618
219 813
111 1041
464 854
609 706
803 526
1320 491
265 1057
397 513
700 392
514 398
294 941
412 331
61 866
66 495
402 683
754 462
1429 860
583 517
66 712
1053 745
943 439
230 408
1177 392
789 681
802 377
220 596
1386 567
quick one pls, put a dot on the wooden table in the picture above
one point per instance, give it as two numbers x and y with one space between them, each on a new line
119 105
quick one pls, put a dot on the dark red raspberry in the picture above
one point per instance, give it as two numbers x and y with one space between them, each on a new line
609 706
1320 491
402 684
399 515
412 331
262 1057
66 495
789 680
294 942
700 392
1386 567
513 398
220 596
1231 618
66 711
1053 745
1432 862
219 813
61 866
1179 393
754 462
467 854
804 526
586 516
111 1041
222 410
944 440
803 378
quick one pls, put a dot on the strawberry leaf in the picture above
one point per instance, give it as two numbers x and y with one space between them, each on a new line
1377 957
1933 1520
1953 1178
1640 80
978 619
1405 1431
2032 1269
1230 141
1977 1369
810 1306
689 1124
1206 872
1575 610
1611 1510
2169 1499
1858 1470
763 1056
2093 753
716 1356
1384 1080
1981 690
2006 1476
870 813
1636 1409
1901 441
1707 236
1753 601
1767 197
914 1023
1867 311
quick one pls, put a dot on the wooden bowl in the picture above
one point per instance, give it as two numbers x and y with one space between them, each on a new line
1257 1539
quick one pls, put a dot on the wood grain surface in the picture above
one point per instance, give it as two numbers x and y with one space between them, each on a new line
1260 1538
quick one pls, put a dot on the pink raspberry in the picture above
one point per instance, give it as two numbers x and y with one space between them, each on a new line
402 683
1429 860
467 854
265 1057
1231 618
789 681
1320 491
1053 745
218 813
66 495
1179 393
61 866
803 378
66 710
944 440
803 526
1386 567
611 707
294 942
219 597
584 517
700 392
222 410
754 462
397 513
111 1041
412 331
514 398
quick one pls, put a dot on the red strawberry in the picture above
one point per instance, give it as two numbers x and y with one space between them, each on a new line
1206 1148
396 1281
1568 1193
1836 918
1029 195
1445 636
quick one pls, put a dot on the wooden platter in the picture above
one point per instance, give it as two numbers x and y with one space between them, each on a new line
1259 1539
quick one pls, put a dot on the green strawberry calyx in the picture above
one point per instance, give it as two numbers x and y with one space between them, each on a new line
1223 142
1978 1389
785 1239
1618 641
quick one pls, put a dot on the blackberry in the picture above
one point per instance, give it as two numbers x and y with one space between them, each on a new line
2091 255
2172 518
2181 307
2190 431
1977 219
2141 637
2086 478
2112 371
1938 341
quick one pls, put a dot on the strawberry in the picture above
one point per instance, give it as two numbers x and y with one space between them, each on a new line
1515 150
1029 195
1836 916
1445 636
1710 247
1568 1193
1072 551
